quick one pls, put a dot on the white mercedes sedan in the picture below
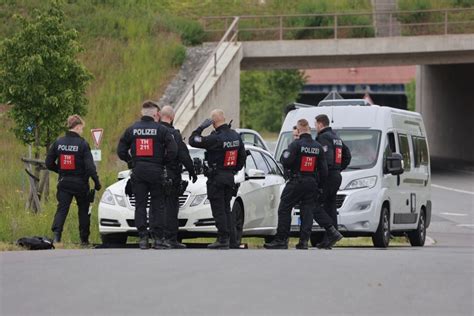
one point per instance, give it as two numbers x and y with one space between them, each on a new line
255 206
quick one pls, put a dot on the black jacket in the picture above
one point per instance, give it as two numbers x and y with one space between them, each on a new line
71 155
305 157
338 155
183 159
225 148
147 141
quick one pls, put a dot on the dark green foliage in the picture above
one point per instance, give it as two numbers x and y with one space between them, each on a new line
179 56
410 90
41 78
264 95
190 31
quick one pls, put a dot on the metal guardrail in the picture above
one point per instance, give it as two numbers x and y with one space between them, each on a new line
229 38
346 24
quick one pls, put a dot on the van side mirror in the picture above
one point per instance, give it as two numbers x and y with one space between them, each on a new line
394 164
255 174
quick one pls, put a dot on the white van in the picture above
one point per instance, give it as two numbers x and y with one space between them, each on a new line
385 191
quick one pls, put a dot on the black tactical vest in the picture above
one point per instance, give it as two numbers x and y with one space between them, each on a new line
225 155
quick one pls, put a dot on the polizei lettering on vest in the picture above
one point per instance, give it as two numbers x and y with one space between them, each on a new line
235 143
144 131
68 148
309 150
337 142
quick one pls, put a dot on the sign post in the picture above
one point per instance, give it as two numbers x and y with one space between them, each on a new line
97 137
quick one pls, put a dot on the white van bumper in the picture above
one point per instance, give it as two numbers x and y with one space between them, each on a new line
359 211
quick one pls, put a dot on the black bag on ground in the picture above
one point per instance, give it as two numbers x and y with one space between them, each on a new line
35 243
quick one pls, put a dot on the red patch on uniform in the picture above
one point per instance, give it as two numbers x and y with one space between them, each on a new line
230 159
308 163
338 158
144 147
67 162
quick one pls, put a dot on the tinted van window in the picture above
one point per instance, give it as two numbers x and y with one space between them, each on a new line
405 151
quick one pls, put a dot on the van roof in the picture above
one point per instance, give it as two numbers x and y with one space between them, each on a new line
367 117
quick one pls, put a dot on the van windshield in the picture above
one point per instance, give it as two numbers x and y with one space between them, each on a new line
364 146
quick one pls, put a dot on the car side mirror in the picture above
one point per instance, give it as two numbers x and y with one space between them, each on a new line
394 164
255 174
247 152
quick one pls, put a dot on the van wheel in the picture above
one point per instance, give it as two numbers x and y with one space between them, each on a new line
316 238
238 214
381 238
417 237
114 239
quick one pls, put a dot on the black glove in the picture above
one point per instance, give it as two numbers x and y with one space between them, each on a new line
97 186
193 177
130 164
205 124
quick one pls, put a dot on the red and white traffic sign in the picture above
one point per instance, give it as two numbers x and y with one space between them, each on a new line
97 136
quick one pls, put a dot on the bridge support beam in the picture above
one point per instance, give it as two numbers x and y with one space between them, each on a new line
445 98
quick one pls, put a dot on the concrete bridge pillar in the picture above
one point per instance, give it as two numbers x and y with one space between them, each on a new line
445 98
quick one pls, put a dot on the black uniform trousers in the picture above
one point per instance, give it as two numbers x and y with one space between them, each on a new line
333 182
220 189
301 191
172 207
68 188
147 184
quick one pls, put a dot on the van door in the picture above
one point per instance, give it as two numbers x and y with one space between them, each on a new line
406 215
390 182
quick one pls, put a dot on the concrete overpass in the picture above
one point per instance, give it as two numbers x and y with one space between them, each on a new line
444 78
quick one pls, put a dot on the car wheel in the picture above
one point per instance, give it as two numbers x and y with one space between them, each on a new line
238 214
417 237
381 238
114 239
316 238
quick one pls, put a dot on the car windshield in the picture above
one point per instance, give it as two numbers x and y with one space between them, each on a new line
364 146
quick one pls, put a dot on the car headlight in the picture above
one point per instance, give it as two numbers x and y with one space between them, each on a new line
198 199
107 198
368 182
120 200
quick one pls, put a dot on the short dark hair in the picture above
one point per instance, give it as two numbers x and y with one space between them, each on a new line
150 104
323 119
74 120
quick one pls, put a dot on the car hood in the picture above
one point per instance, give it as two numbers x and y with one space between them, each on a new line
194 188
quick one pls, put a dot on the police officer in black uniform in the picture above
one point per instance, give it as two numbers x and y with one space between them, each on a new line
70 156
338 157
147 147
307 164
174 170
225 157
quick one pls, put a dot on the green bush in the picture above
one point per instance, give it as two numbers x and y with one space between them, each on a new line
179 56
191 32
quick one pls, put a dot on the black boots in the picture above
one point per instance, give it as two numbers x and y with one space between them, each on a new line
332 237
160 243
302 245
57 238
277 243
220 243
143 243
174 244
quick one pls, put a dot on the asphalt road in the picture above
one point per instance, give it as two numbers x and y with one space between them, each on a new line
433 280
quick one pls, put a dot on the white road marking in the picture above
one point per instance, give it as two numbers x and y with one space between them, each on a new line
465 225
452 189
454 214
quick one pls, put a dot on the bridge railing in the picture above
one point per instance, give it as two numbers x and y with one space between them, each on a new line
188 98
344 25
